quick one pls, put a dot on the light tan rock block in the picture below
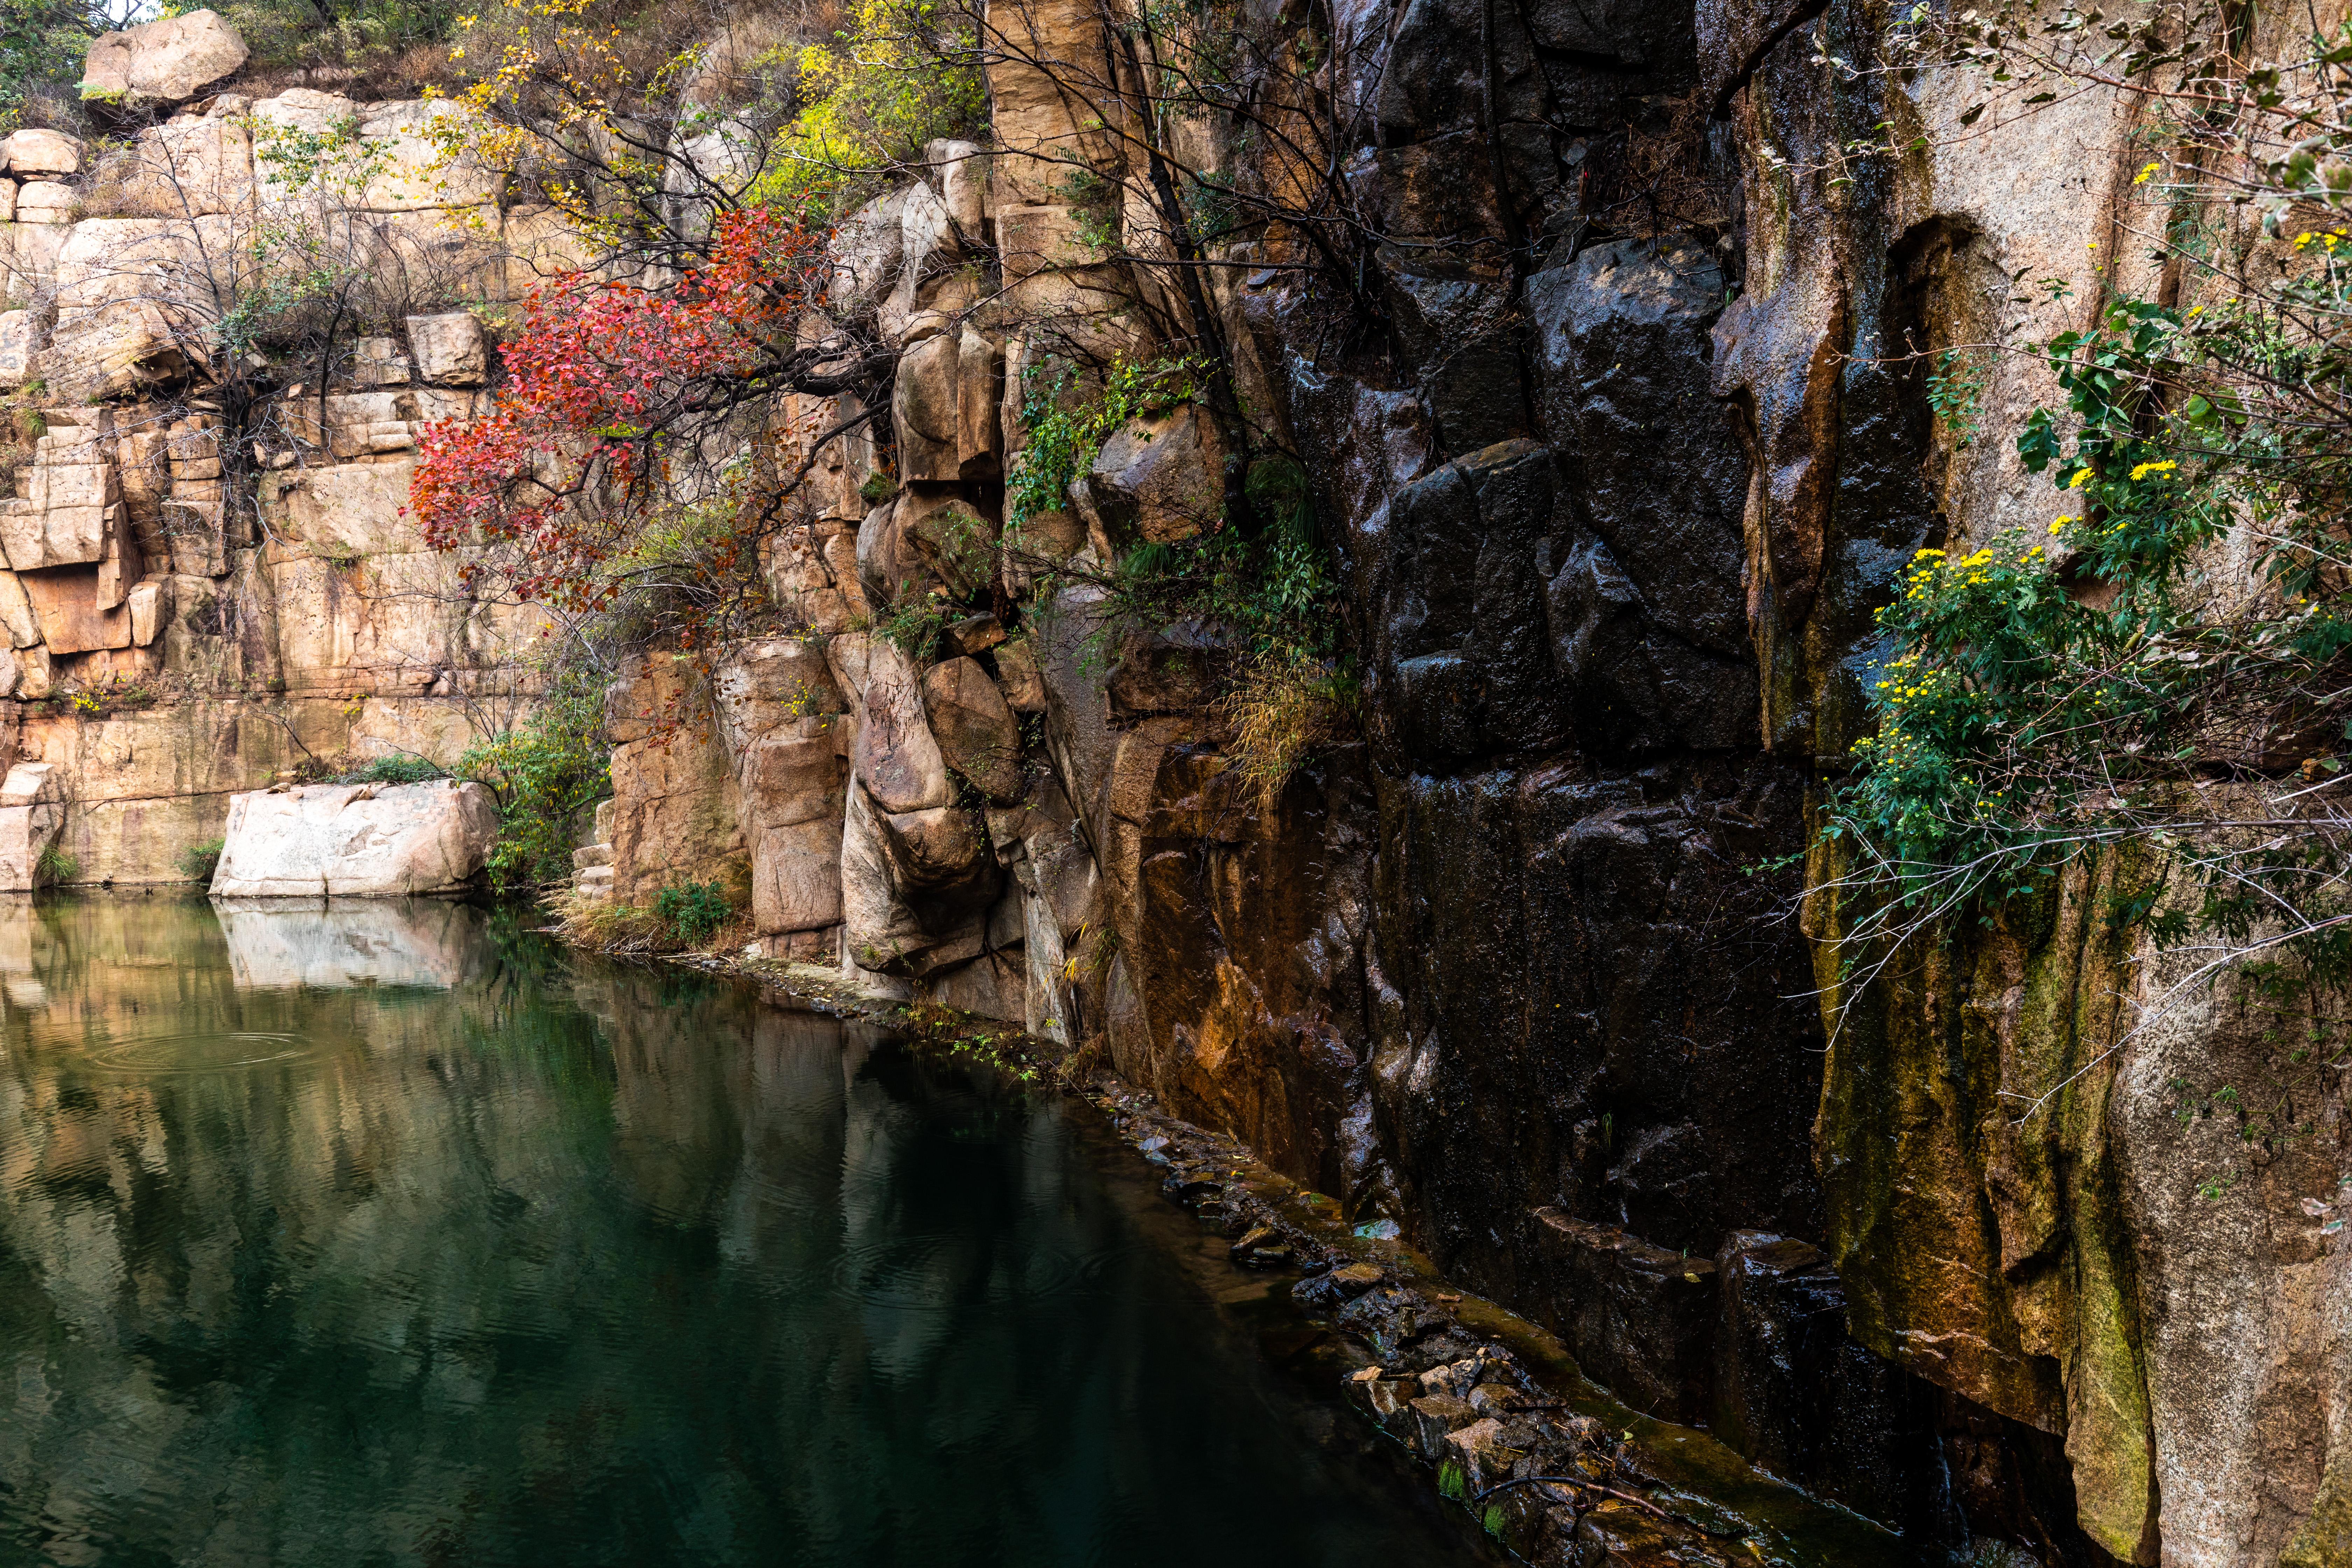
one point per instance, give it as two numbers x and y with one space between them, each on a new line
17 612
448 349
45 202
32 154
149 606
64 602
163 63
20 343
32 809
896 758
363 841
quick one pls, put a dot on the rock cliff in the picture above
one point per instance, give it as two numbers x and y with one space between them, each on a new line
210 581
1624 436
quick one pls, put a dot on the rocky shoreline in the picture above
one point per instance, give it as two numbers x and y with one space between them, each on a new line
1487 1408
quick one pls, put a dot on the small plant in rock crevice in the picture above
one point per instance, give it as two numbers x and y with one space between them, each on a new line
1067 426
197 862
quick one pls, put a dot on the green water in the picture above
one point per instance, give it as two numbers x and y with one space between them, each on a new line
385 1235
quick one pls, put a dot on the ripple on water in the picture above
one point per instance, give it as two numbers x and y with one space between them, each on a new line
199 1051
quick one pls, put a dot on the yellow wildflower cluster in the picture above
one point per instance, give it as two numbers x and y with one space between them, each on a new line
2327 242
2143 470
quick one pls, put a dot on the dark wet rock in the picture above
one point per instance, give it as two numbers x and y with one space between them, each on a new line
1327 1292
1440 192
1625 1536
1795 1394
1586 1002
1463 653
1459 327
1436 1417
1436 72
1637 1316
1648 605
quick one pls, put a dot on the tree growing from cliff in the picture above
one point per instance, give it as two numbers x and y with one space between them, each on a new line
625 448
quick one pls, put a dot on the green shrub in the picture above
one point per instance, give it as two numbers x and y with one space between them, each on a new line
692 912
915 625
403 770
198 862
1065 430
54 867
899 73
546 774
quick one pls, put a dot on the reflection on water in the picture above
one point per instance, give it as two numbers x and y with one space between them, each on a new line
381 1236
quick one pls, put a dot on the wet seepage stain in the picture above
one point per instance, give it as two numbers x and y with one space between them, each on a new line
399 1237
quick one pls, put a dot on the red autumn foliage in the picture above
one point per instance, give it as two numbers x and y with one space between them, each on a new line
603 388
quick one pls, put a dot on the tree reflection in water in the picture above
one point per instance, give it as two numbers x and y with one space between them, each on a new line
383 1234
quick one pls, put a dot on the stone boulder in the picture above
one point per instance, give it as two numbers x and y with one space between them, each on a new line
448 349
20 347
889 567
945 406
915 889
975 729
1162 478
32 809
867 249
1637 1316
356 841
955 544
161 63
896 757
45 202
34 155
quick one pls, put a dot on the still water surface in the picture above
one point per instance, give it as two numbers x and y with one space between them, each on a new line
387 1235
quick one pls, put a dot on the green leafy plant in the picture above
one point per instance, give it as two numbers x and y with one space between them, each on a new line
546 774
915 625
54 866
1068 427
1955 392
2095 685
692 912
899 74
197 862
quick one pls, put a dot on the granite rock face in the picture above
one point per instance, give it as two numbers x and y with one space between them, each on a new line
1629 441
361 841
161 63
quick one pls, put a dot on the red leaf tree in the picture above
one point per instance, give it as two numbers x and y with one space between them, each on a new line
623 410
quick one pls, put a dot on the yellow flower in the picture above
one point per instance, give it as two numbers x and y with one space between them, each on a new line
2145 470
2082 477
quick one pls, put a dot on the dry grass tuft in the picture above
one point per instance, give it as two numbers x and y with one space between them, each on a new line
631 930
1284 708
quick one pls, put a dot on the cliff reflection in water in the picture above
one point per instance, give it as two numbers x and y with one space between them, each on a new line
378 1236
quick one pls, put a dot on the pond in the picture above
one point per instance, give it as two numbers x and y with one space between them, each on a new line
386 1234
